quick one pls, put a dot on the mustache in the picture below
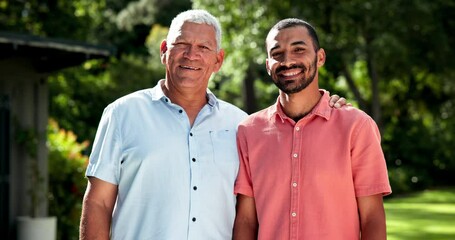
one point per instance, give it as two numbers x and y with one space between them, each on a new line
284 68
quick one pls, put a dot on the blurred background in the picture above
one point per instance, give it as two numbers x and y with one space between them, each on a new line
392 59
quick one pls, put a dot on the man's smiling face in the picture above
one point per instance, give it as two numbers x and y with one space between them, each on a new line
292 60
191 57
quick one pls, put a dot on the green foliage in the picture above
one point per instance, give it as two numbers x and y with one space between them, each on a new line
153 42
79 95
67 183
57 18
418 137
27 139
394 60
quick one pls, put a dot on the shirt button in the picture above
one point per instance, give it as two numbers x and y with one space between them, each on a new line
294 184
180 111
167 100
194 159
295 155
191 134
294 214
194 188
297 128
194 219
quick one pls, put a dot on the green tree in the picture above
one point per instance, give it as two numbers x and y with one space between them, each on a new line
393 60
67 166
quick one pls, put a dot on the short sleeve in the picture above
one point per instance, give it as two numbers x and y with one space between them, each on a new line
368 163
106 152
243 184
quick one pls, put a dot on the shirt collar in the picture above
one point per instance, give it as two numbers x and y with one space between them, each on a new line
322 108
158 94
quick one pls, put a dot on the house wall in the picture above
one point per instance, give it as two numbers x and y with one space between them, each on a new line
27 92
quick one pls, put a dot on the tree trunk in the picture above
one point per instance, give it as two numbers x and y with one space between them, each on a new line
354 89
376 100
249 97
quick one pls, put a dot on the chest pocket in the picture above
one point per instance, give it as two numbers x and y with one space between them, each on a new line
224 146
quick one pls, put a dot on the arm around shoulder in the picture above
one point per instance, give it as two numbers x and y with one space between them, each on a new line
246 223
97 207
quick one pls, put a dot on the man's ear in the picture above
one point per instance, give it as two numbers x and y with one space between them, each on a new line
269 71
219 60
321 57
163 50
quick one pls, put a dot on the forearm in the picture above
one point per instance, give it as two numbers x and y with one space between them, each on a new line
246 223
95 222
374 231
372 218
244 230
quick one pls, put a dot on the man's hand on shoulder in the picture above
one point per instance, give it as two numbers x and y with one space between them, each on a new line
338 102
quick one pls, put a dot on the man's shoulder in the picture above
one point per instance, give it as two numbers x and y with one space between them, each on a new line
139 94
131 99
350 113
347 117
230 108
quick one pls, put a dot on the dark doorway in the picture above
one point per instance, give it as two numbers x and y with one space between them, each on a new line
5 145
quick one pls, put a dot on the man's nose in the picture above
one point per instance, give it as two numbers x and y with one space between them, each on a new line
191 52
287 61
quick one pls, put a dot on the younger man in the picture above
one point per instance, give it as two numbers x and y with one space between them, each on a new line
307 171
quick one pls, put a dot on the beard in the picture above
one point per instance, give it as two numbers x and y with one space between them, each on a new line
296 85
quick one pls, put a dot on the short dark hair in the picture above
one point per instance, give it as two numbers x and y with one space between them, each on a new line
293 22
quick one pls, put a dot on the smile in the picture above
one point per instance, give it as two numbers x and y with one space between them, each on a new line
189 67
290 73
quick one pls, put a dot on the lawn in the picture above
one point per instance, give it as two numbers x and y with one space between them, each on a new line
429 214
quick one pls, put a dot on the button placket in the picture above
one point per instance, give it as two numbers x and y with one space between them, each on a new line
194 175
295 174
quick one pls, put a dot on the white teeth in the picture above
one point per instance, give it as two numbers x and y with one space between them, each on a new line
289 74
189 67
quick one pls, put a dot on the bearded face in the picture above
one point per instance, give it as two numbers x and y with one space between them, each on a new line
296 77
293 60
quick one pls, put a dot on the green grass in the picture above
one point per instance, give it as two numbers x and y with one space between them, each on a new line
429 214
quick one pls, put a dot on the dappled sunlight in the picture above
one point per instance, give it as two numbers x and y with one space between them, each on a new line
427 215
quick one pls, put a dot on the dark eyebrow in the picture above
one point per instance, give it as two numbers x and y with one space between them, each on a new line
298 43
292 44
277 46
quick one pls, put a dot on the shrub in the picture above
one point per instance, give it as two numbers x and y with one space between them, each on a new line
67 183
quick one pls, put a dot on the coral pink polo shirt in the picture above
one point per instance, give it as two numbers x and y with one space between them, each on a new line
305 176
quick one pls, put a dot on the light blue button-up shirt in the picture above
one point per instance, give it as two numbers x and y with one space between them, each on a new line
174 181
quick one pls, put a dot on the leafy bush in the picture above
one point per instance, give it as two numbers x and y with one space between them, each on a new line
67 183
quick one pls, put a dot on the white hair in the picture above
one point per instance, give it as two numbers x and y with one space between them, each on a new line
194 16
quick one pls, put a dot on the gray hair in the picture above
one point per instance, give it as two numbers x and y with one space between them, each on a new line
195 16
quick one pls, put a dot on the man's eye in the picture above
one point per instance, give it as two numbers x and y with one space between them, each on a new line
276 54
204 47
179 44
